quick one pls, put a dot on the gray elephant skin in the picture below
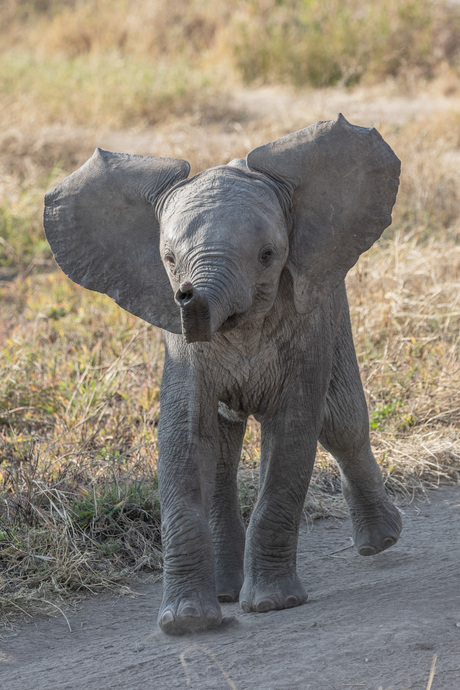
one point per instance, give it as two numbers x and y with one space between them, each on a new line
243 266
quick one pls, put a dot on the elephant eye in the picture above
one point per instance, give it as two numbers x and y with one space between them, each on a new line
266 256
169 259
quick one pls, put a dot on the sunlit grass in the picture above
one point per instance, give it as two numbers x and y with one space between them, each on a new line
117 64
70 356
327 43
109 88
21 233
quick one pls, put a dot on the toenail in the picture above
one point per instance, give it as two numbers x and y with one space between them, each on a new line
367 550
386 543
167 617
225 597
265 605
189 611
291 601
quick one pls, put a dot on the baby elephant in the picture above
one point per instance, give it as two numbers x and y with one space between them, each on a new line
243 266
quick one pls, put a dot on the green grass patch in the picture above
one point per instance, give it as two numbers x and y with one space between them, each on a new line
107 89
310 42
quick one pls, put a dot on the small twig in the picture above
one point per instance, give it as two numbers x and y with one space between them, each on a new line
345 548
57 607
432 672
13 603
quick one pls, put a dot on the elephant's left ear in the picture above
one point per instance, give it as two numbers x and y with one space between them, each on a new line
343 180
102 228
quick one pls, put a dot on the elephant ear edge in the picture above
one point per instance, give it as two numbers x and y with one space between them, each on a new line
101 225
343 181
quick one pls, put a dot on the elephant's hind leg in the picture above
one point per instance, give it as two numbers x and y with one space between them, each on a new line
345 434
226 524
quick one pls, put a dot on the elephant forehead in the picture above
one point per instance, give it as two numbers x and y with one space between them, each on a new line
224 207
221 196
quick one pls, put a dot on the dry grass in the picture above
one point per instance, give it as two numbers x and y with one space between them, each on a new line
300 41
122 63
327 43
79 378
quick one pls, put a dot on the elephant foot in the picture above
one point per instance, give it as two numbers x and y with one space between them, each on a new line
375 528
190 616
229 590
272 595
228 586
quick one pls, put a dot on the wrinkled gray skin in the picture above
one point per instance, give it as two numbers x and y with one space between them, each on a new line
243 266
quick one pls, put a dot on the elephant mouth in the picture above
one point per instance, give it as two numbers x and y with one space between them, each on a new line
200 330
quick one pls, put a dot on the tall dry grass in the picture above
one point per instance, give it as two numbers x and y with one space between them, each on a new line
304 41
125 63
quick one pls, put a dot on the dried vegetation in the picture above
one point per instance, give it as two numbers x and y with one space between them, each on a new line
79 378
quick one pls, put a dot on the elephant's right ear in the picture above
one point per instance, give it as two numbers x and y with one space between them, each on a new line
102 228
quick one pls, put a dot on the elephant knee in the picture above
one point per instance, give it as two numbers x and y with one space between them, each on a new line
345 427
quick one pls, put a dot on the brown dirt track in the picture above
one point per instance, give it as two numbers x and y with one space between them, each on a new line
379 623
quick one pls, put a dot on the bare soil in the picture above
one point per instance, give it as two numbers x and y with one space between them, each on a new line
380 623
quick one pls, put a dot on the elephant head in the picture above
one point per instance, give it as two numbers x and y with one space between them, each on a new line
205 254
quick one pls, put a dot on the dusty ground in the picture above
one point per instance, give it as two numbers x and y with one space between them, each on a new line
379 623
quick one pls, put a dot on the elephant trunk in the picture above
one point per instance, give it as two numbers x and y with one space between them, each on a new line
195 313
206 304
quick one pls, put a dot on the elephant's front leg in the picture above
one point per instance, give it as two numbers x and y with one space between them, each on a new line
186 474
226 523
289 440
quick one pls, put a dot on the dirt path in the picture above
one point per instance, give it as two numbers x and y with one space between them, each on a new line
371 623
